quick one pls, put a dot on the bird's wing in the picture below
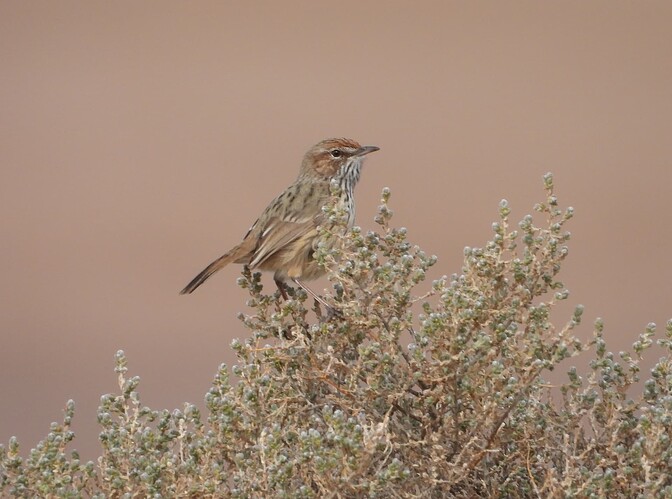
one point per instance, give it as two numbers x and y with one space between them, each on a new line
292 215
278 233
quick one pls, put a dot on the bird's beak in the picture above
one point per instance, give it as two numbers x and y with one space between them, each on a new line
363 151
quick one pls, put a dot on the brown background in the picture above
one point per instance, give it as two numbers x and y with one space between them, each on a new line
139 140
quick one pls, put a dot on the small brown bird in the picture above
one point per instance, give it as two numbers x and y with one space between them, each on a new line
282 239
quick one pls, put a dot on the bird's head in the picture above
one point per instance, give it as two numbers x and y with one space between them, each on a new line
329 157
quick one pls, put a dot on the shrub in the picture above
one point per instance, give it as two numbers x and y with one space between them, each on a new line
393 393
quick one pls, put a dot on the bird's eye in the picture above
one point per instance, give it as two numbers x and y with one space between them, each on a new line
336 153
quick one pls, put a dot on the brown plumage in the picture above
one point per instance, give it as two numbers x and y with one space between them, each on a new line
282 238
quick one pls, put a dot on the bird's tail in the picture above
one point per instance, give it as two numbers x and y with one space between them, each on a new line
236 254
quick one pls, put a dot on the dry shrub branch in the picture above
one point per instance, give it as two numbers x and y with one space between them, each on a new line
394 392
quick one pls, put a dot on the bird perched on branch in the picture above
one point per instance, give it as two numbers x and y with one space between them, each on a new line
283 238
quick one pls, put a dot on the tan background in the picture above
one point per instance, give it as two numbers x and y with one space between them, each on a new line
139 140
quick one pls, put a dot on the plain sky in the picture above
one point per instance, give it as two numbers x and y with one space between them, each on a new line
139 140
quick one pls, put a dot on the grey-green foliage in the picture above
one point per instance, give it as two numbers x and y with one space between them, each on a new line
394 392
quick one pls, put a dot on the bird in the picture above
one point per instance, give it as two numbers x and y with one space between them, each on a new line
284 237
